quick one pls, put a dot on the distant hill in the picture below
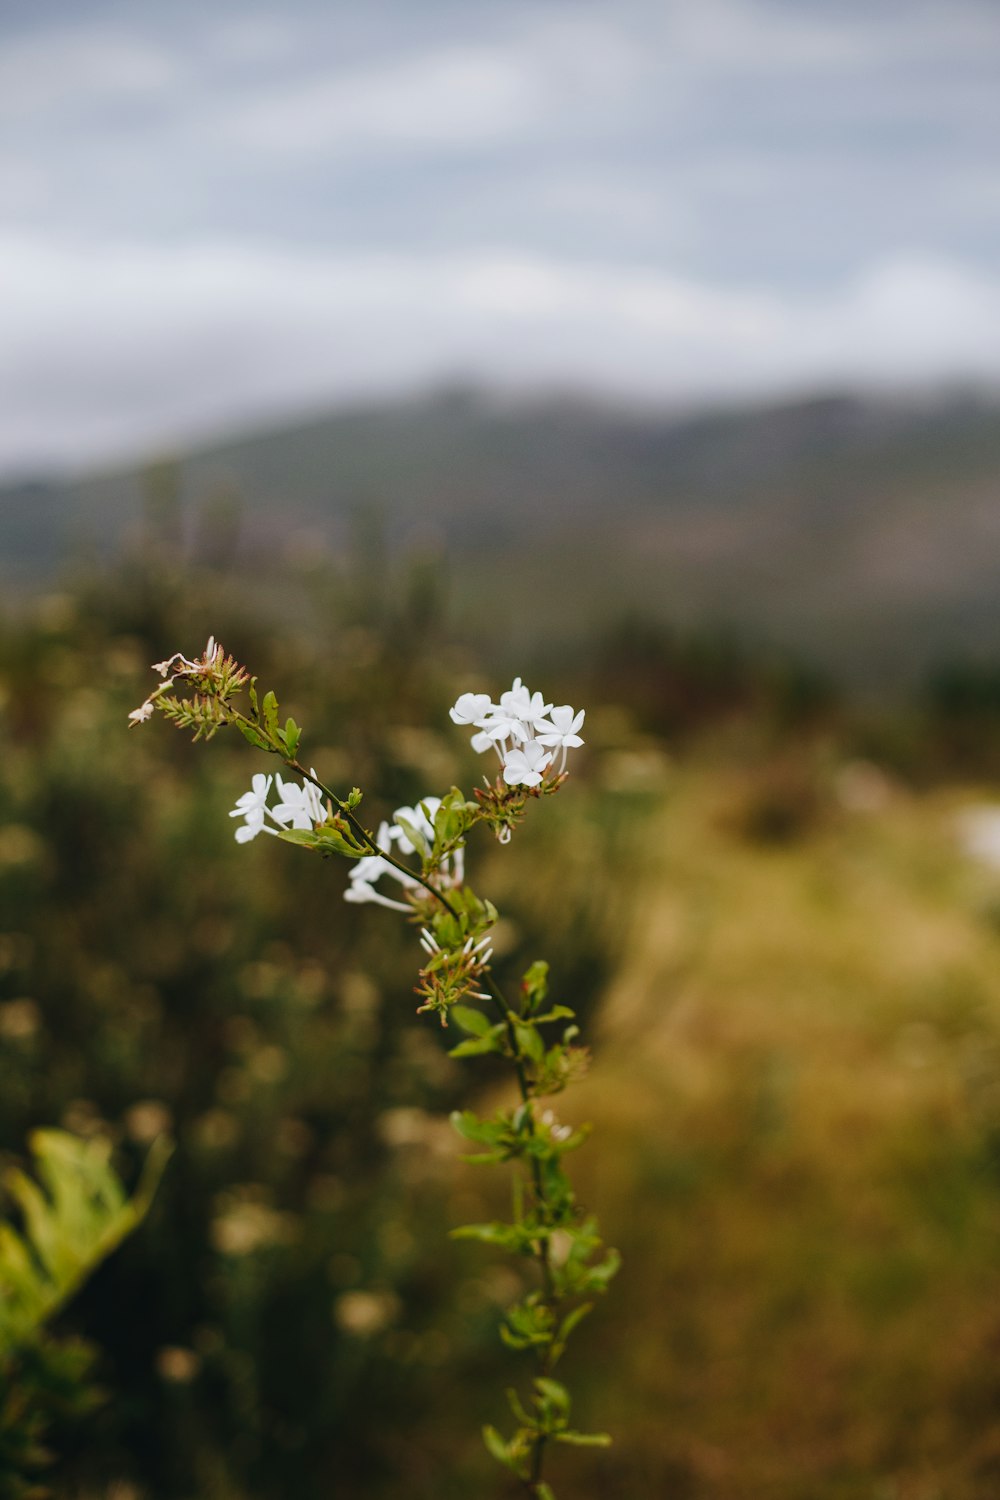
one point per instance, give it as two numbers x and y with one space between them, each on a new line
863 532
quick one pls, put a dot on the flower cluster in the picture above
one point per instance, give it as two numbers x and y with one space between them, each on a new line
297 807
524 730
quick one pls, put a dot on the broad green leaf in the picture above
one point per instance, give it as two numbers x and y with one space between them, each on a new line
469 1125
79 1218
470 1020
529 1040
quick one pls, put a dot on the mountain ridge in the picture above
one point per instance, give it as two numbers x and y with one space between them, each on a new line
843 524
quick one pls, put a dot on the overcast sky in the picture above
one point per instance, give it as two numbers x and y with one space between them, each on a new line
214 213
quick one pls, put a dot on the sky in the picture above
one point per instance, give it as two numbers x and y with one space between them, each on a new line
218 214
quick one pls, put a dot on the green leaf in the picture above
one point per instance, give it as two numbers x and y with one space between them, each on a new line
470 1020
598 1277
469 1125
583 1439
529 1040
497 1447
69 1228
413 833
554 1394
304 836
507 1235
269 710
515 1404
290 736
475 1047
535 984
253 735
573 1320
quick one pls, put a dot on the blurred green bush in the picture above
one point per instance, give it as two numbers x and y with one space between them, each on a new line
294 1309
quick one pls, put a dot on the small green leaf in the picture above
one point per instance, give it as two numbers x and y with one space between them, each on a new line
489 1132
326 840
535 984
529 1040
269 709
514 1402
573 1320
475 1046
291 736
598 1277
470 1020
553 1394
489 1234
253 735
414 835
583 1439
557 1013
497 1446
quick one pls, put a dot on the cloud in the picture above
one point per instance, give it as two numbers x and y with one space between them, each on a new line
54 74
444 99
110 349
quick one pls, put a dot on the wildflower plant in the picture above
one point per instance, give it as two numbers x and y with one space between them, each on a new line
415 864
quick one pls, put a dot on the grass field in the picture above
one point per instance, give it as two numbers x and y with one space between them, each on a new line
797 1100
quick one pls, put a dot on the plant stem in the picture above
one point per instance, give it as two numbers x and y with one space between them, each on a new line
510 1018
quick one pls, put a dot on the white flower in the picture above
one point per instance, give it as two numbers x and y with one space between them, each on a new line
253 806
529 708
505 726
563 731
360 891
482 741
563 728
365 872
300 806
524 767
471 708
142 713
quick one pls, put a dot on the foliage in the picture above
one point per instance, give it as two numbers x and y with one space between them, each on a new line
288 1317
72 1222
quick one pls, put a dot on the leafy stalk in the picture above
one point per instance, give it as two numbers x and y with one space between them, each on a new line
547 1226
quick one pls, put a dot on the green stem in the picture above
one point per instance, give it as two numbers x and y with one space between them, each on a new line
542 1251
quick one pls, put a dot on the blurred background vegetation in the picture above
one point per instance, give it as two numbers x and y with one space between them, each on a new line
752 887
